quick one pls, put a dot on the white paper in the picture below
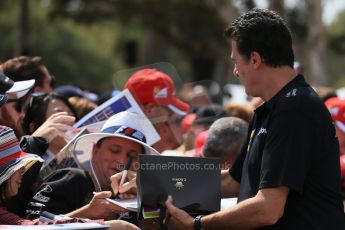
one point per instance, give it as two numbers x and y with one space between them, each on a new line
129 204
122 101
227 203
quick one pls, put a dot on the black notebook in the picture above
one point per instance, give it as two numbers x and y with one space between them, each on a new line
194 183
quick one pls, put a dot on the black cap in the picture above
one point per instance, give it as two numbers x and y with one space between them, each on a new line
5 83
206 115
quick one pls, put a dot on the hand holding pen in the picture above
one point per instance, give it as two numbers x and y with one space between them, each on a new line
122 189
125 171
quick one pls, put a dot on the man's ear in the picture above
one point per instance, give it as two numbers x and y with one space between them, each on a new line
255 59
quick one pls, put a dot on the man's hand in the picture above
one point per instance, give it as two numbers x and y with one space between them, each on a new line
177 218
98 208
129 189
56 125
102 207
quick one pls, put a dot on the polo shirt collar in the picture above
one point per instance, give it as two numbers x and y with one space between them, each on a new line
296 82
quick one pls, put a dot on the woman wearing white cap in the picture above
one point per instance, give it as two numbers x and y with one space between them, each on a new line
100 155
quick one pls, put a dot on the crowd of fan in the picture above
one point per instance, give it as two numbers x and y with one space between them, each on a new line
54 182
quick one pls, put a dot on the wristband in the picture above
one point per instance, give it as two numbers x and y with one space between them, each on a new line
197 223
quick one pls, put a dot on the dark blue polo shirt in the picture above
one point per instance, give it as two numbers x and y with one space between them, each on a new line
292 142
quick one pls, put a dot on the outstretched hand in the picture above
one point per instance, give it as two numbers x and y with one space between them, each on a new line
102 207
98 208
177 218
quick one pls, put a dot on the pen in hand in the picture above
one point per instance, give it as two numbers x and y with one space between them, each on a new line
124 174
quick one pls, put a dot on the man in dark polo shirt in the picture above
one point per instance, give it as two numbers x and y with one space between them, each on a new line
287 175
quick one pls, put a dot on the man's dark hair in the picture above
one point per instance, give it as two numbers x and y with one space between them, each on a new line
265 32
24 68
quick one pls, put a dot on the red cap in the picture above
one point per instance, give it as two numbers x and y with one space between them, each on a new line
199 143
336 107
153 86
187 121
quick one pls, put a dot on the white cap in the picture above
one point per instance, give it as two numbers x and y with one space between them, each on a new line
14 90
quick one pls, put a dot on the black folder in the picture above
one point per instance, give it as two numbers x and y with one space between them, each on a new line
194 183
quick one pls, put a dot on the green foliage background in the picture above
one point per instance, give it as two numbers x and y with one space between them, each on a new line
83 55
87 49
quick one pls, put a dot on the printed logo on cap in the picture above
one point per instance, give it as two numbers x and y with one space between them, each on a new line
163 93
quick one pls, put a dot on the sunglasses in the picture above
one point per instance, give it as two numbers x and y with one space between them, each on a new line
37 98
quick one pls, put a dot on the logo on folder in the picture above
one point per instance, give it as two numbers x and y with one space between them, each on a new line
179 182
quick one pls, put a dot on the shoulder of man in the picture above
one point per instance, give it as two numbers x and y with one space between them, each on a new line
58 190
302 98
61 180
